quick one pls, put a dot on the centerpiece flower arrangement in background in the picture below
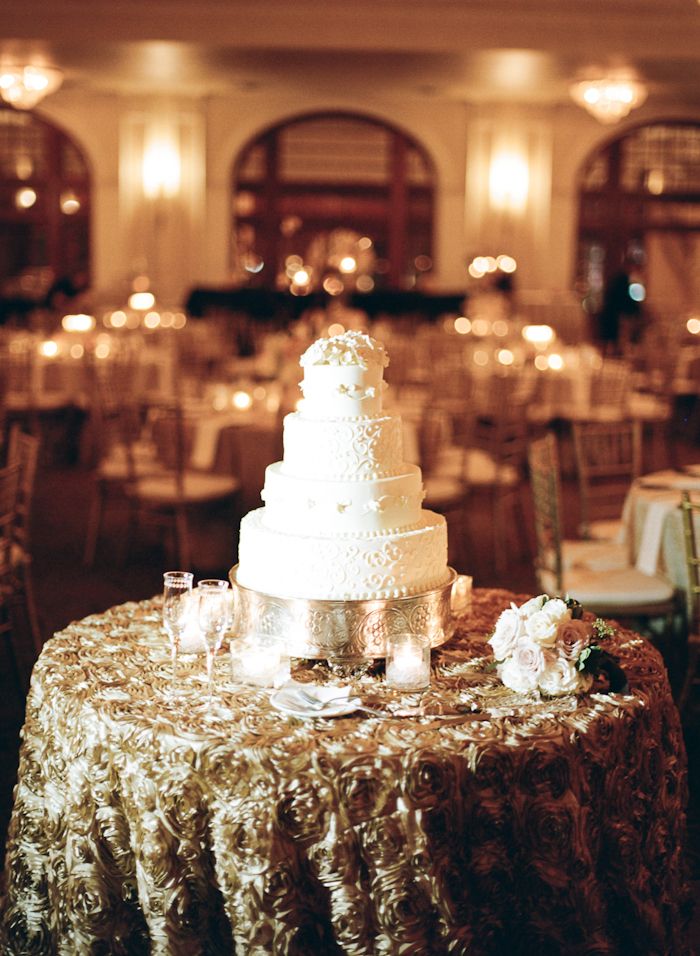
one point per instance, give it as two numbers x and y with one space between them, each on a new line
545 645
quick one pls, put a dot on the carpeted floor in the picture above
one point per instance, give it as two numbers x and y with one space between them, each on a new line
67 591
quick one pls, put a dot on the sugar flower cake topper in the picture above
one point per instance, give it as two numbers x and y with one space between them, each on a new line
349 348
546 646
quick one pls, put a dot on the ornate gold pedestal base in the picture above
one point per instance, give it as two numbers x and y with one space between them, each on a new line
345 629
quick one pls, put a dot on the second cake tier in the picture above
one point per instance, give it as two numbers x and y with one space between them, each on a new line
327 507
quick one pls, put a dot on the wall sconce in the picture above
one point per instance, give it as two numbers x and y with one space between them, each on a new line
161 168
161 194
25 86
609 98
509 181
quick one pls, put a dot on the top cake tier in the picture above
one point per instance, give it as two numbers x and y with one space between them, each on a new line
343 377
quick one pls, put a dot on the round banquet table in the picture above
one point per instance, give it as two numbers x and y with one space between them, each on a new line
652 523
144 823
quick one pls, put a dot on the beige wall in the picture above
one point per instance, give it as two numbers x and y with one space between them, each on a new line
188 242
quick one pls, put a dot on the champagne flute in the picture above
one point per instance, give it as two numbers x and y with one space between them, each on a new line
177 588
215 615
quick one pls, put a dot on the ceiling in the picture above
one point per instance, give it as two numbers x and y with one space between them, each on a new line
514 50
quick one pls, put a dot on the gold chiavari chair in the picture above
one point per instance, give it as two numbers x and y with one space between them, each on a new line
469 451
620 591
446 491
121 452
12 595
608 459
652 405
168 497
23 451
690 514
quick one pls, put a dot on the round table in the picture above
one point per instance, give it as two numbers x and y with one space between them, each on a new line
653 528
143 823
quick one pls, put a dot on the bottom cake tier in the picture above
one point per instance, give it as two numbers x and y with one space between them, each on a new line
342 567
344 630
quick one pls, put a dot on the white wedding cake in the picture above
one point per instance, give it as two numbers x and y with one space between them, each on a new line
343 516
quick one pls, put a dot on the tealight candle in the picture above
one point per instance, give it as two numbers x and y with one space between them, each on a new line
260 659
408 661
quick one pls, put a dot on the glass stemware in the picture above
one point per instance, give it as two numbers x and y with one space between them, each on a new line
177 588
215 614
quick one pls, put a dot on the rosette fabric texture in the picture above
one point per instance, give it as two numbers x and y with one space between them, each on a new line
144 824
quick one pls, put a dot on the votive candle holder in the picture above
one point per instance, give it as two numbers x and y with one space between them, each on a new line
407 665
261 660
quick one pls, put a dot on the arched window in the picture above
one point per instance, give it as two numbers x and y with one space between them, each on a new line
640 208
338 200
44 206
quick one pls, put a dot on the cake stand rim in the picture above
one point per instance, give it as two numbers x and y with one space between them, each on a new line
453 575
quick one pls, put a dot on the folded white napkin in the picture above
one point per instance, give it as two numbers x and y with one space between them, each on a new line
298 694
652 533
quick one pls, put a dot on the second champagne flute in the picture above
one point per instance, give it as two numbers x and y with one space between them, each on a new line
214 620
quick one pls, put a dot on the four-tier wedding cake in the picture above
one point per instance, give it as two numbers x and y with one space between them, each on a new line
343 516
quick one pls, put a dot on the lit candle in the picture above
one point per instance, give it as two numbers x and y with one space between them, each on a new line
261 660
408 661
242 400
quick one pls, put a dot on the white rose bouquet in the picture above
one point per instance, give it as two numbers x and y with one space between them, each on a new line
545 645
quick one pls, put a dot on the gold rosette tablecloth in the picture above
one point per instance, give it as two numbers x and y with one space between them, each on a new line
143 823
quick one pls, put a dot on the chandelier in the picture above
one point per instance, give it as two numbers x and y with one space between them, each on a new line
609 98
25 86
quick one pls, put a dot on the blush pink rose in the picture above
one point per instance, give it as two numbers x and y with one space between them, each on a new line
572 638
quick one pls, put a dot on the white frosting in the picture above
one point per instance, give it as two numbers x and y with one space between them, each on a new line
343 376
343 516
362 449
339 391
316 506
342 568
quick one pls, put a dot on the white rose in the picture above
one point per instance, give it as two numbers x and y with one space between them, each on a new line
506 633
561 677
534 604
517 679
524 666
541 628
557 610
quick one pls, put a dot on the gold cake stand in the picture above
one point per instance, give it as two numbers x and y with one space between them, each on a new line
347 630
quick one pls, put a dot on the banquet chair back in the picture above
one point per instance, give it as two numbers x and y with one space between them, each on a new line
690 516
9 488
543 465
19 387
168 497
446 491
497 460
24 451
610 386
120 451
652 403
608 459
12 594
